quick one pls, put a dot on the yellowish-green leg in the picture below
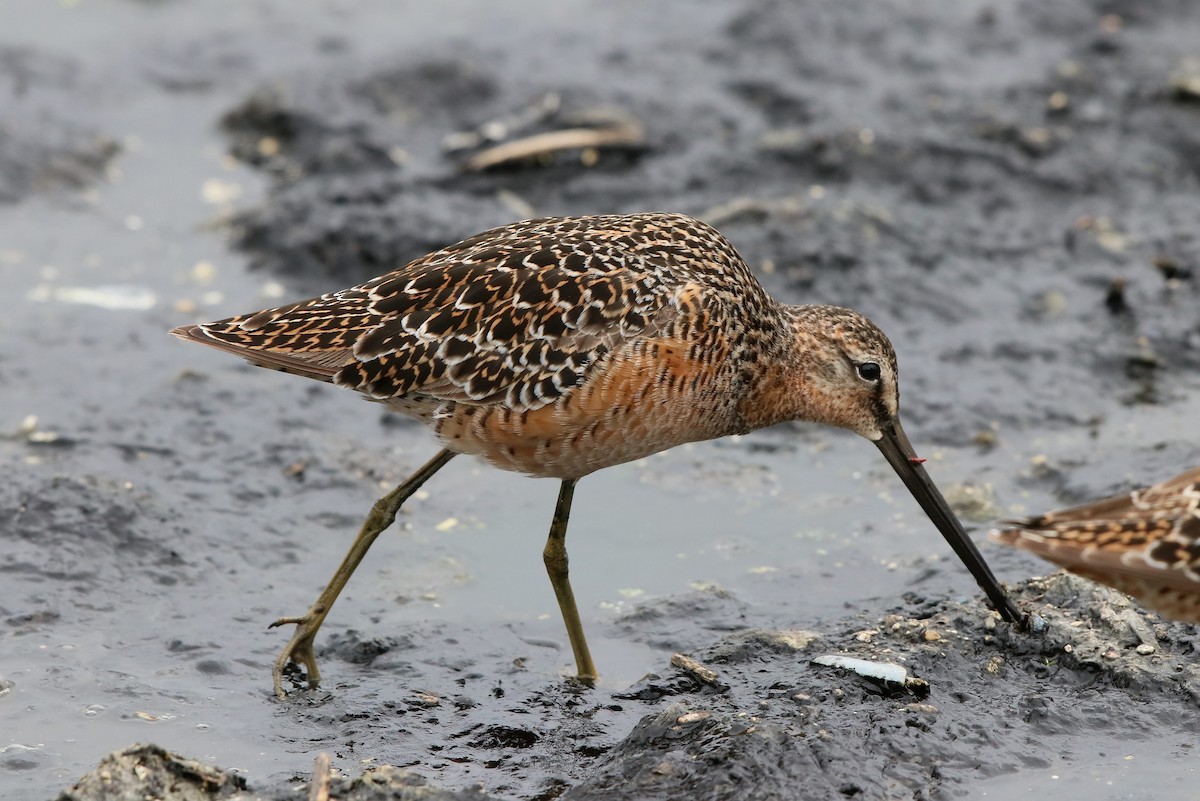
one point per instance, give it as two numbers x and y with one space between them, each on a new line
555 556
300 648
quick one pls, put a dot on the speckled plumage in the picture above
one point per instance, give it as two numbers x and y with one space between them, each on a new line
556 347
1145 543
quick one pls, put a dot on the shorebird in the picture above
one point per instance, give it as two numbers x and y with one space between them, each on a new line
560 346
1145 543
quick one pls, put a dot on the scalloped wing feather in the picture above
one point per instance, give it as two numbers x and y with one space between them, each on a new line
517 315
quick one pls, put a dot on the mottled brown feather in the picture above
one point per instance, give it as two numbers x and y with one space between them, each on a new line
517 314
1145 543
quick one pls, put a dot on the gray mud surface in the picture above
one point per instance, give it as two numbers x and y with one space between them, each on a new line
1011 190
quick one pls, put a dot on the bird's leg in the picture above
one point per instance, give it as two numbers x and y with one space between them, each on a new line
300 648
555 557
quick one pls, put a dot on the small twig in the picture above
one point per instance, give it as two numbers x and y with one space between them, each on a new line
318 788
501 128
751 209
696 670
624 134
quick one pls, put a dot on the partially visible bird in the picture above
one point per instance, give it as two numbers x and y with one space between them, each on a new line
1145 543
556 347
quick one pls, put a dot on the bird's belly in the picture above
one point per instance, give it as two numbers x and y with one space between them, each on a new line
644 398
556 442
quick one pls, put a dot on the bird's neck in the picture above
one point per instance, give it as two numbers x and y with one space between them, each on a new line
777 390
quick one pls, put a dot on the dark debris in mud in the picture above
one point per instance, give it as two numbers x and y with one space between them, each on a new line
147 771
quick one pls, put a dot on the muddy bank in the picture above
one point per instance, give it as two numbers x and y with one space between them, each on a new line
1009 190
755 717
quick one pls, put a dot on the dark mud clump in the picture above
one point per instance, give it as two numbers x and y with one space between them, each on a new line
147 771
44 143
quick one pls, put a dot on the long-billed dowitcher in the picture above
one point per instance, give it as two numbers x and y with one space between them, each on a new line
1145 543
557 347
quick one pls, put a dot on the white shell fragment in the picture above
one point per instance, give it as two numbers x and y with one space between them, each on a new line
117 298
886 673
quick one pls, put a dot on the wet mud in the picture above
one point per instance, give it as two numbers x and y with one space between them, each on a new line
754 716
1010 190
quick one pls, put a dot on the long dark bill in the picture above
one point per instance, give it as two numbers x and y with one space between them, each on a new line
903 459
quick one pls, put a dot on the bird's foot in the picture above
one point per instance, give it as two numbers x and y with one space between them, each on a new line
299 650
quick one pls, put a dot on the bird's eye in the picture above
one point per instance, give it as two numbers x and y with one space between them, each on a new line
869 371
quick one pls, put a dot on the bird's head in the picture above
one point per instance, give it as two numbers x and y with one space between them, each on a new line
842 372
